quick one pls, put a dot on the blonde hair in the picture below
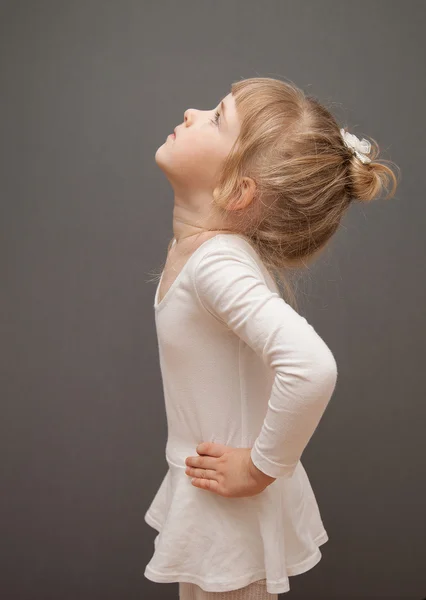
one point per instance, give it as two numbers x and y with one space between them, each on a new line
305 175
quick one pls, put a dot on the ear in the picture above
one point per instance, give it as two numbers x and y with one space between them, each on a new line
247 191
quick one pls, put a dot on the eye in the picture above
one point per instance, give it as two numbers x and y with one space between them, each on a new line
216 118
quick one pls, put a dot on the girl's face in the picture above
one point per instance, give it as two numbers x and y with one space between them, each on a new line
193 158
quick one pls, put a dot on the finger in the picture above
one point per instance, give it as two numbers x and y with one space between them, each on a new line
202 462
201 473
212 449
211 485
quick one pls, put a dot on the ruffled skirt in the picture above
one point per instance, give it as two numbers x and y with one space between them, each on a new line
223 544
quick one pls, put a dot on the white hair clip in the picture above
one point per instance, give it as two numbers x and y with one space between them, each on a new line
360 147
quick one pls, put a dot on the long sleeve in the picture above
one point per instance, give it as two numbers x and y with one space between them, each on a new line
232 288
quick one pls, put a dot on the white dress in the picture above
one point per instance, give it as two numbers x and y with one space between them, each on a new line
239 367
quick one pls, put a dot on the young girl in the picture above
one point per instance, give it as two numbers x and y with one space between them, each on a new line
260 186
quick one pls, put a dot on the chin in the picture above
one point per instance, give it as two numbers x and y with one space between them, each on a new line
160 155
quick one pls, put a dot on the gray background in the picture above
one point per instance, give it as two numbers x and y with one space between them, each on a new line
89 91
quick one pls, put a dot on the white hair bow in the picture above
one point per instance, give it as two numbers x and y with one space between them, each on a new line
360 147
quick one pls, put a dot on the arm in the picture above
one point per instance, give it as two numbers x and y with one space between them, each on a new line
232 289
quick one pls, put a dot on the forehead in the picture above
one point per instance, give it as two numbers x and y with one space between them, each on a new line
229 101
230 108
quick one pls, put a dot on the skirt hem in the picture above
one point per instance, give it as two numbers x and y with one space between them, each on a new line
273 587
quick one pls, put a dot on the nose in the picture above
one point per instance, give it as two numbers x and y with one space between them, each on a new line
188 115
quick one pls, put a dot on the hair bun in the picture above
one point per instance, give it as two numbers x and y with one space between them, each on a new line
368 177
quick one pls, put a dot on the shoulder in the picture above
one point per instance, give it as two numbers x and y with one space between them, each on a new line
226 250
229 274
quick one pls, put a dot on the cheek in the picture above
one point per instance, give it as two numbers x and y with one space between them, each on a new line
202 154
194 146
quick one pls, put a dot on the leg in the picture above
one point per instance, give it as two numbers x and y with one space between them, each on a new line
253 591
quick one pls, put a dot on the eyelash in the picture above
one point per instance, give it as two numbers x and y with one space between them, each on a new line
216 119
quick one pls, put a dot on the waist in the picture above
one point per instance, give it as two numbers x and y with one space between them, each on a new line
177 450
